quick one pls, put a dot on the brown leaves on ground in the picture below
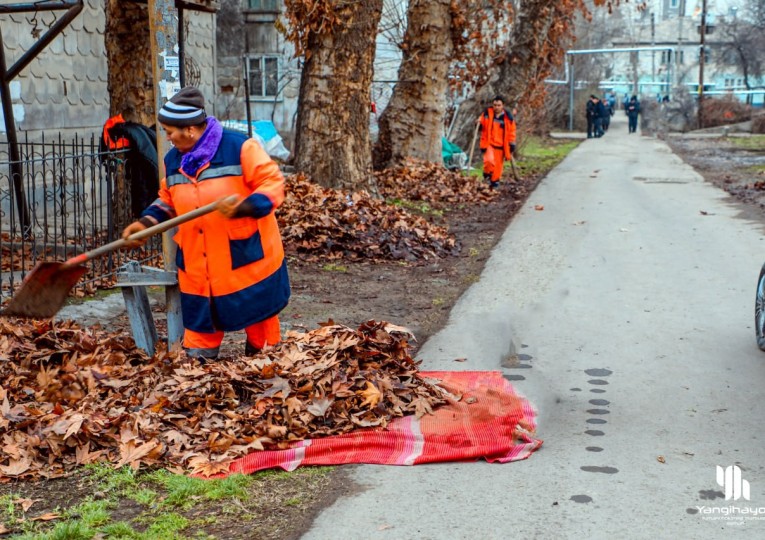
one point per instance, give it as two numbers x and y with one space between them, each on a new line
72 396
430 182
321 223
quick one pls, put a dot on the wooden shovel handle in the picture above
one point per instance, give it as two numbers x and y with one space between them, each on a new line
472 147
147 232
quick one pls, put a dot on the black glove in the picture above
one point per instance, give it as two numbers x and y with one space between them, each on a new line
512 148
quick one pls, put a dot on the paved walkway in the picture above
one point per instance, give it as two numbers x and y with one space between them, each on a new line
625 307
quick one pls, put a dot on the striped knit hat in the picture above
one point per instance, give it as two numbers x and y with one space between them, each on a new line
186 108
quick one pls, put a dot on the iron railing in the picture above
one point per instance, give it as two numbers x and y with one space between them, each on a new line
74 197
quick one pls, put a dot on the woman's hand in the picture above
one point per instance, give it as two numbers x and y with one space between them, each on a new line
133 228
228 206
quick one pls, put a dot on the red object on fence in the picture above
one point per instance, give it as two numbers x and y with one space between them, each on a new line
490 422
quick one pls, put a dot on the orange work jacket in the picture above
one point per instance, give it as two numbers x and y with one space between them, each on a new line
497 132
231 272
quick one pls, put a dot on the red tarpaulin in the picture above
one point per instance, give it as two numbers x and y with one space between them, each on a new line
490 422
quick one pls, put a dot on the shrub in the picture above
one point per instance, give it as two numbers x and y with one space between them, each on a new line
724 111
758 123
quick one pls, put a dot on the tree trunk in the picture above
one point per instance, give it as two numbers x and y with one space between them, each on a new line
516 72
412 123
332 143
130 84
128 55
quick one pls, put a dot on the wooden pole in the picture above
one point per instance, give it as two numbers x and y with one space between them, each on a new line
166 69
702 54
472 147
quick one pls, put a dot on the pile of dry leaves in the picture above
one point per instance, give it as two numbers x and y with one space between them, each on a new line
72 396
320 223
420 180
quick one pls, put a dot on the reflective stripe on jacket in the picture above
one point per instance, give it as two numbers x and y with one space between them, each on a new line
231 272
497 132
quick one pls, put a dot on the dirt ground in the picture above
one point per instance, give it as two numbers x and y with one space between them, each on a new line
735 164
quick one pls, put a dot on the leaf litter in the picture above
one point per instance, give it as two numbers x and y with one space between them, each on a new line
72 396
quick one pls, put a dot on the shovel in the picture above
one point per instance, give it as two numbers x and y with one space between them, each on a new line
46 287
472 147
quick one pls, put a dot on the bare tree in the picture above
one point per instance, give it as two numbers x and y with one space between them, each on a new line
743 40
337 38
541 30
412 123
128 55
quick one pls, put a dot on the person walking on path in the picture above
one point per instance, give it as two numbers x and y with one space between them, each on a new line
497 140
591 113
607 113
231 267
600 114
633 109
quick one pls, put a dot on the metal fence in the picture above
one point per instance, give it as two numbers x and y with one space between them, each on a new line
60 199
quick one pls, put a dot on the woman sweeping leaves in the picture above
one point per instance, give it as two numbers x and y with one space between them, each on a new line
231 267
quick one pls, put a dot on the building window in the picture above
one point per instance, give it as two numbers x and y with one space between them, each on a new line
674 4
666 57
264 76
267 6
706 55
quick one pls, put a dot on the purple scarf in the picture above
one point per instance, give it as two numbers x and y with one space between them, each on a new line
205 148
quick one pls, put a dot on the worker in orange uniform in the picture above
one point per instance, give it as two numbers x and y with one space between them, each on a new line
231 267
497 140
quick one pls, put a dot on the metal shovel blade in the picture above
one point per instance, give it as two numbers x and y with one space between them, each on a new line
44 290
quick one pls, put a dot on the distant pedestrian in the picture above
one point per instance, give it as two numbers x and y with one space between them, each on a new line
591 112
497 140
608 111
600 114
633 109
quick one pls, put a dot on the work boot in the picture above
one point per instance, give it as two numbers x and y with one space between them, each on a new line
494 184
201 358
251 350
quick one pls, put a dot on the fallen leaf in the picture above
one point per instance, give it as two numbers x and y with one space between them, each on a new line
278 385
202 466
131 453
460 359
661 459
422 407
539 207
16 467
371 396
50 516
25 504
318 407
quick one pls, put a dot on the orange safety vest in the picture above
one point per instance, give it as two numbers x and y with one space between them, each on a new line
231 272
499 132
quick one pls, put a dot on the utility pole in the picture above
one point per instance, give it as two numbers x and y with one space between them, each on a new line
653 53
702 55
